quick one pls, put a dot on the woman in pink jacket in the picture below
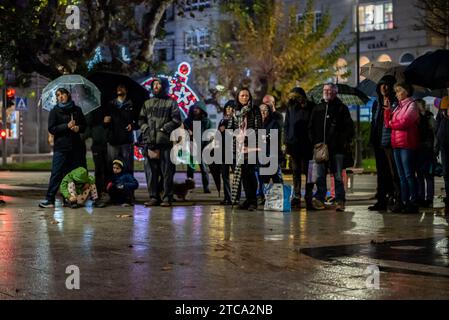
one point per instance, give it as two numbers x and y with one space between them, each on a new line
404 121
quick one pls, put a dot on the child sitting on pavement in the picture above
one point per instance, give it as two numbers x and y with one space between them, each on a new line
77 186
122 185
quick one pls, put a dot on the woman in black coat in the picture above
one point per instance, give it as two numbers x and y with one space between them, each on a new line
66 122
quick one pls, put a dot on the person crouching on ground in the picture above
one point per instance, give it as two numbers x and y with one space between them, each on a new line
77 186
122 185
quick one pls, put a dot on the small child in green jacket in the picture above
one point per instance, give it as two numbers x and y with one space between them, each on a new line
77 186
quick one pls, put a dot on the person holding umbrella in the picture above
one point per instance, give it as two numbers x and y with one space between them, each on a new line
158 118
380 138
66 123
229 122
120 122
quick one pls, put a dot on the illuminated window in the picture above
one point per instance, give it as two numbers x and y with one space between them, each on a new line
377 16
384 58
363 60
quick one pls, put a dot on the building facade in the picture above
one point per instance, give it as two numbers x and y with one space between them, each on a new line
387 31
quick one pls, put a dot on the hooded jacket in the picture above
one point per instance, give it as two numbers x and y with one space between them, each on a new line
339 127
205 121
403 121
64 138
158 118
380 135
80 177
271 124
297 125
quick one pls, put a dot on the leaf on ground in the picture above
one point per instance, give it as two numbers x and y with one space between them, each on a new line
124 216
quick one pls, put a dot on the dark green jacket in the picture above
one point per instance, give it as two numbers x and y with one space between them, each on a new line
158 118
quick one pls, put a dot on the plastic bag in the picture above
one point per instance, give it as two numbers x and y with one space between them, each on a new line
278 197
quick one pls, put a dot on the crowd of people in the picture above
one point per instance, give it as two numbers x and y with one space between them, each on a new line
405 137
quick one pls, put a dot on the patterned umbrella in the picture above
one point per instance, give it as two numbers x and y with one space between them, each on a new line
84 93
349 95
376 70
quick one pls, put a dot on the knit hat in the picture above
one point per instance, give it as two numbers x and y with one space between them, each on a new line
444 104
118 162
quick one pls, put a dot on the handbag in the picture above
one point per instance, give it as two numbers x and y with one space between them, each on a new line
320 150
278 197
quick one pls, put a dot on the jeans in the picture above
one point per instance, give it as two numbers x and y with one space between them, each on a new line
299 166
425 180
405 163
336 167
63 162
160 173
204 174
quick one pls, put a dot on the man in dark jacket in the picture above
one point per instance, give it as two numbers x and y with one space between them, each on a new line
198 113
66 122
297 142
331 123
120 122
380 139
158 118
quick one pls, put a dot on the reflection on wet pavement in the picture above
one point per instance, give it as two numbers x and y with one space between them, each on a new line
213 252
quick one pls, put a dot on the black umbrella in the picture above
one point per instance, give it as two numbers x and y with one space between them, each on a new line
430 70
107 83
347 94
368 87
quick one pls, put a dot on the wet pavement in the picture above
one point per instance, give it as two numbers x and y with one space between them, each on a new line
206 251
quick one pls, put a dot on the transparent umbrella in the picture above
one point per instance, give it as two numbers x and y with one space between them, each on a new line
84 93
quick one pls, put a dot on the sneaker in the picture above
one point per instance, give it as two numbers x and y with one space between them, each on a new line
152 203
378 206
47 204
318 205
340 207
166 204
261 201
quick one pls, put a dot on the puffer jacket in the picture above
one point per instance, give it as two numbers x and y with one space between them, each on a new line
158 118
403 121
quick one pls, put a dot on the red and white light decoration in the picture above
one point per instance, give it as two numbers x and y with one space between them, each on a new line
179 89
